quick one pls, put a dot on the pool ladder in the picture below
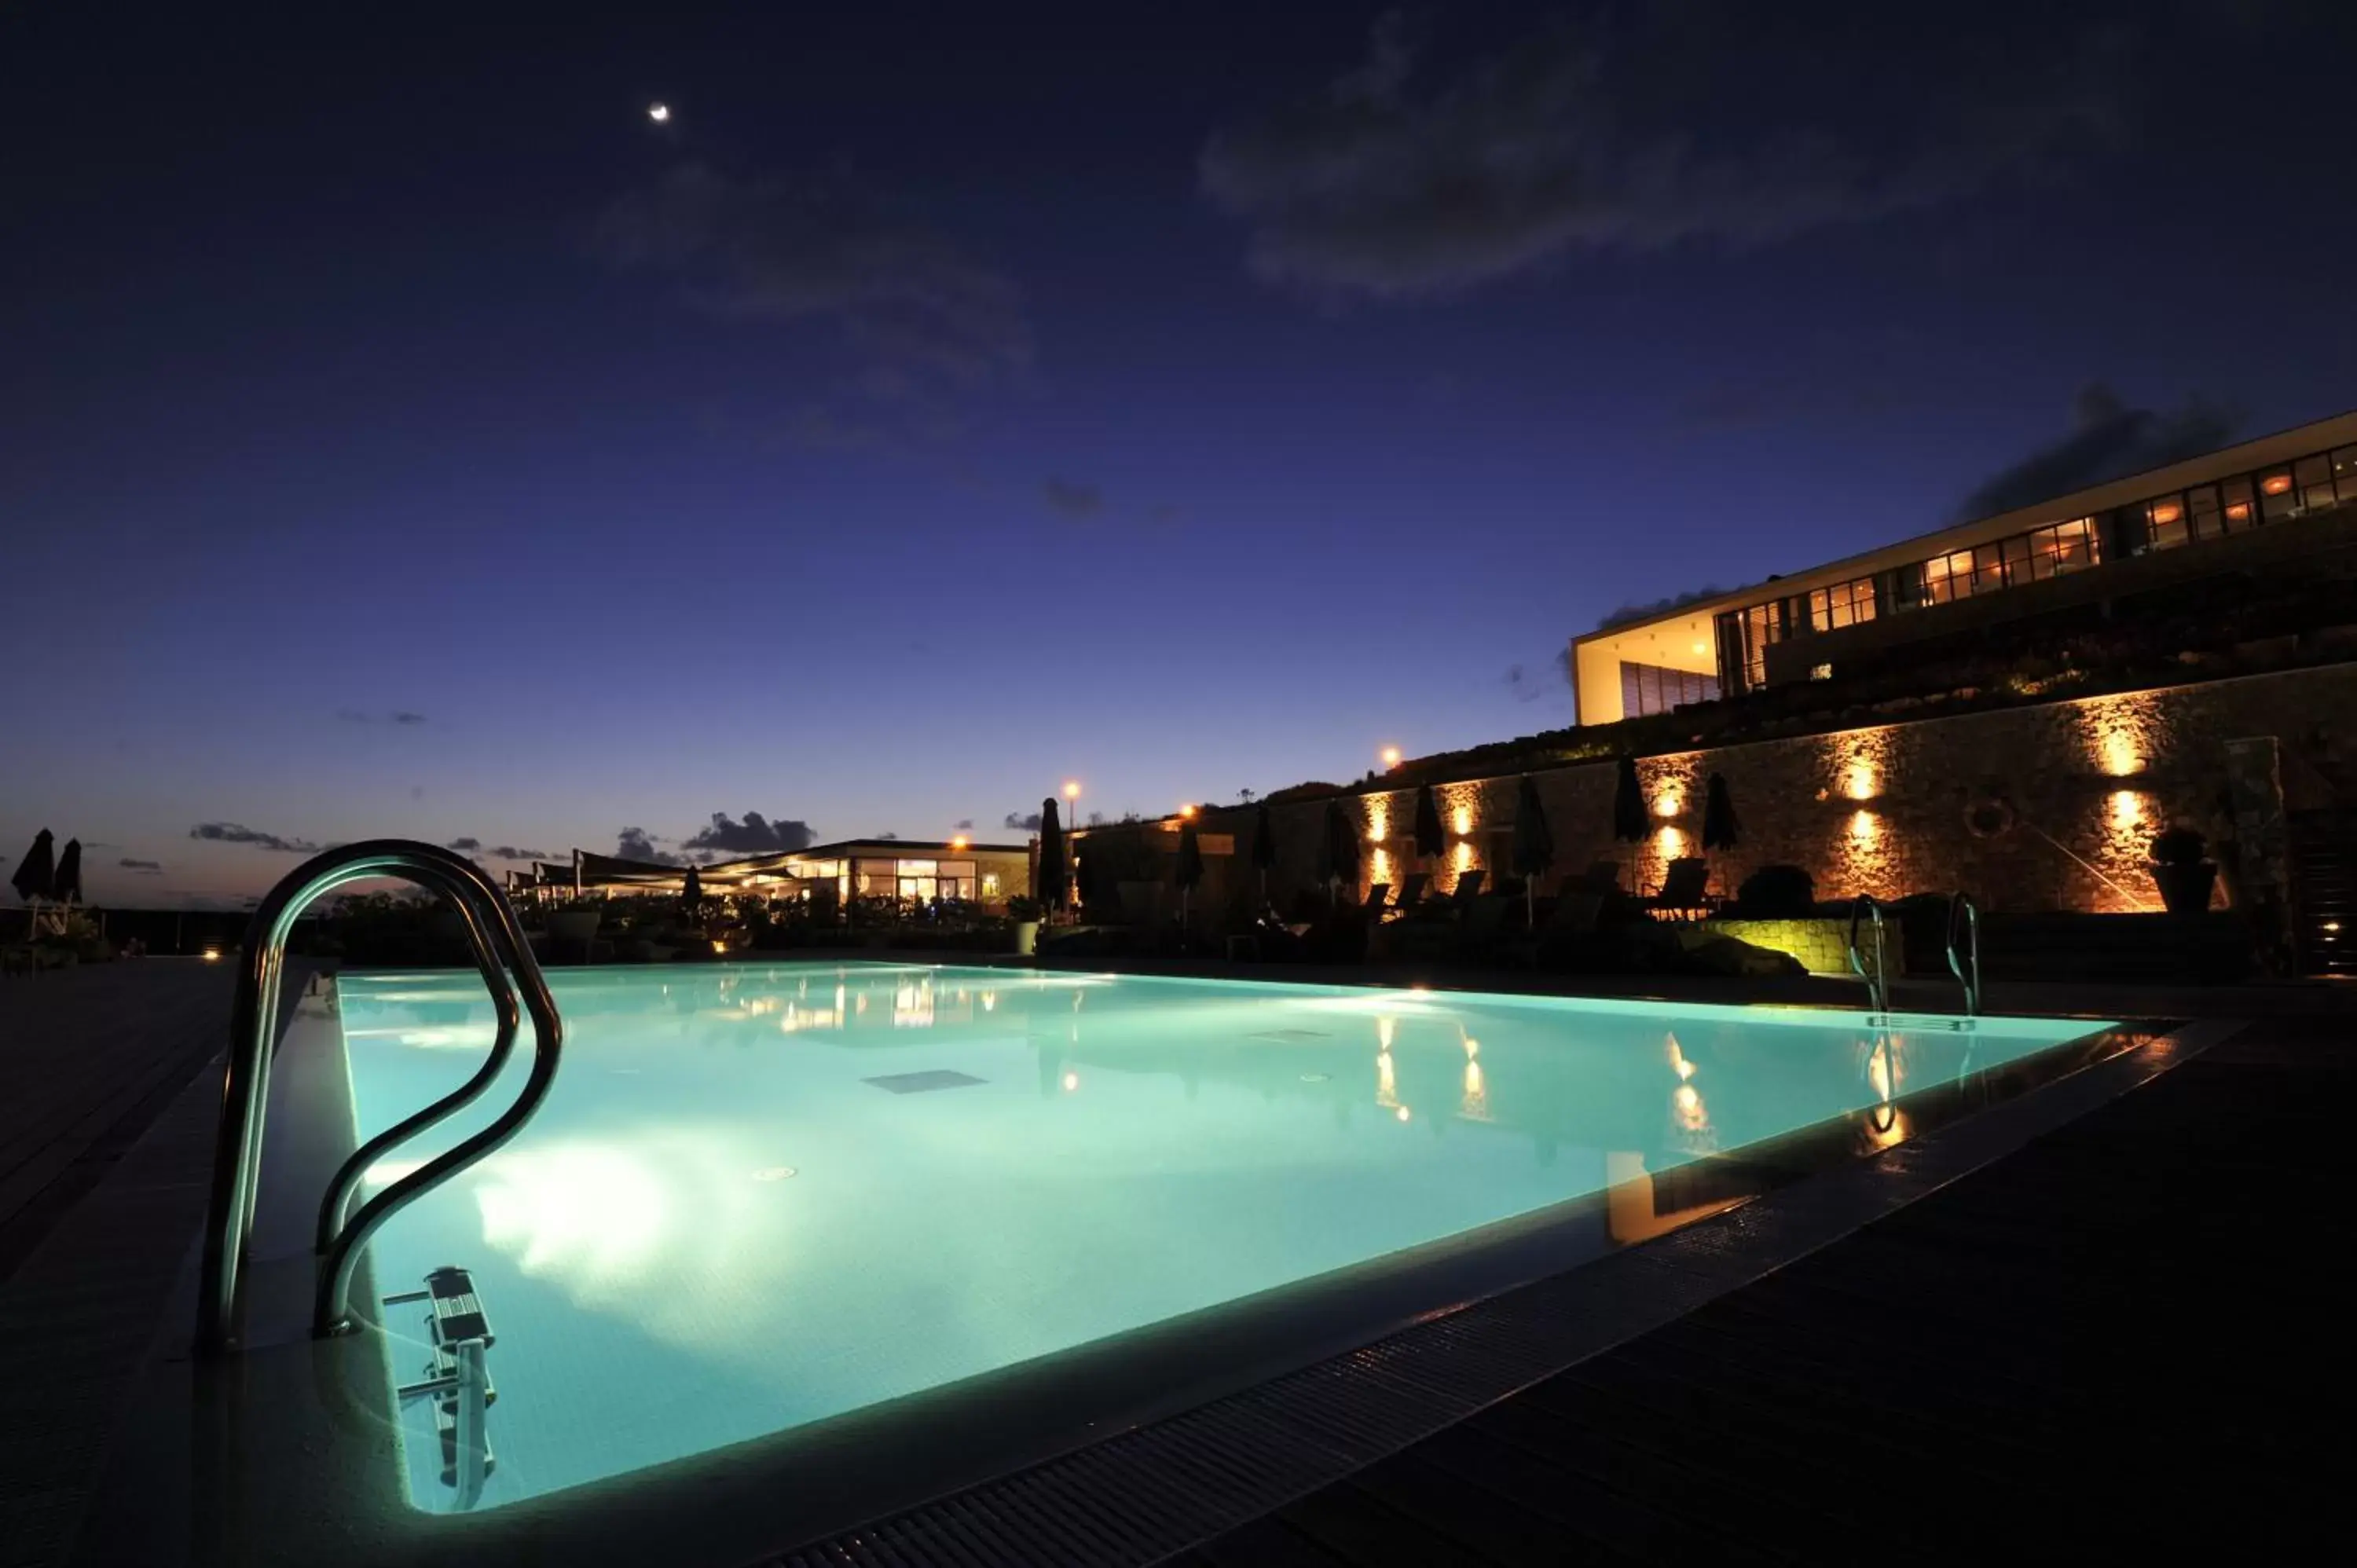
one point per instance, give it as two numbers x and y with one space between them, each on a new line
1964 919
1963 922
513 978
1866 906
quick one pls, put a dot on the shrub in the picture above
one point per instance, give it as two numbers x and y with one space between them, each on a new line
2178 846
1776 893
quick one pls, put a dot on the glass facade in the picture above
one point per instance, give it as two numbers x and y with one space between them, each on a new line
1657 688
2315 483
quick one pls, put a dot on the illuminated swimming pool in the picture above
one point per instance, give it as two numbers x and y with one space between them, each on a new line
762 1196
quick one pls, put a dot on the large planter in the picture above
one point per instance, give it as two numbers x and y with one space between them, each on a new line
1026 938
2185 885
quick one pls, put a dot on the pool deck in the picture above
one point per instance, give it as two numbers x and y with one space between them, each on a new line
2112 1333
2120 1338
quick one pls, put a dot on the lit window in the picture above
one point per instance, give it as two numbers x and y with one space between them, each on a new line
2344 473
2276 500
2202 513
1820 671
2165 524
1947 577
2237 512
2315 478
1844 604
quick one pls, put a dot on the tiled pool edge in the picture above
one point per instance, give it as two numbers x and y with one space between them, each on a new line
1158 1490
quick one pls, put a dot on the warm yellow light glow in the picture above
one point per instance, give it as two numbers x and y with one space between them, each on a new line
1702 648
1475 1102
1379 819
1861 780
1071 788
2127 807
1391 757
1386 1030
659 112
2275 484
1678 1063
1863 827
211 954
958 843
990 1001
1401 1113
1672 843
1071 1081
1669 803
1885 1125
1461 859
2329 928
1473 1046
2120 758
1386 1080
718 946
1685 1100
1462 817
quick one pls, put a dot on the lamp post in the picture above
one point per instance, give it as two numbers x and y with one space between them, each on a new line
1390 755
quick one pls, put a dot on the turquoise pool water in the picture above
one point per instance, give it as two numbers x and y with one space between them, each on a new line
763 1194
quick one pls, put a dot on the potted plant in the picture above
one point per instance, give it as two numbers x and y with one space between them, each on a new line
2182 872
575 922
1024 913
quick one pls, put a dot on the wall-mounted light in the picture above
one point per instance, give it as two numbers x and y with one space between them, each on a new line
1463 818
2127 807
1864 827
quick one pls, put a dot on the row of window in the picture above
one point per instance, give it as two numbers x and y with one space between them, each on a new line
2314 483
2032 557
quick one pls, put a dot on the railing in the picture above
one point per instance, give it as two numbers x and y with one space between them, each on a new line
1878 981
500 952
1964 918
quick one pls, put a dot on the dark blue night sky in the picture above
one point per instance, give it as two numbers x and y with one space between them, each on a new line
402 433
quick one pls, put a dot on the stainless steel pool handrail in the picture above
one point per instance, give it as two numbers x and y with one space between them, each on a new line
499 949
1878 982
1964 916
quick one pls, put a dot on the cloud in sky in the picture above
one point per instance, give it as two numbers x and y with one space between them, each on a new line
632 843
2108 440
398 716
963 825
1067 500
825 248
1709 122
509 852
755 835
237 832
1023 822
464 845
144 867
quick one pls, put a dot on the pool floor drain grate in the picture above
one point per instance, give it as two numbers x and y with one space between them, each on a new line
918 1082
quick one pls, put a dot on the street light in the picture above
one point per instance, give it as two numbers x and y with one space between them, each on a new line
1072 794
1187 813
1391 757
